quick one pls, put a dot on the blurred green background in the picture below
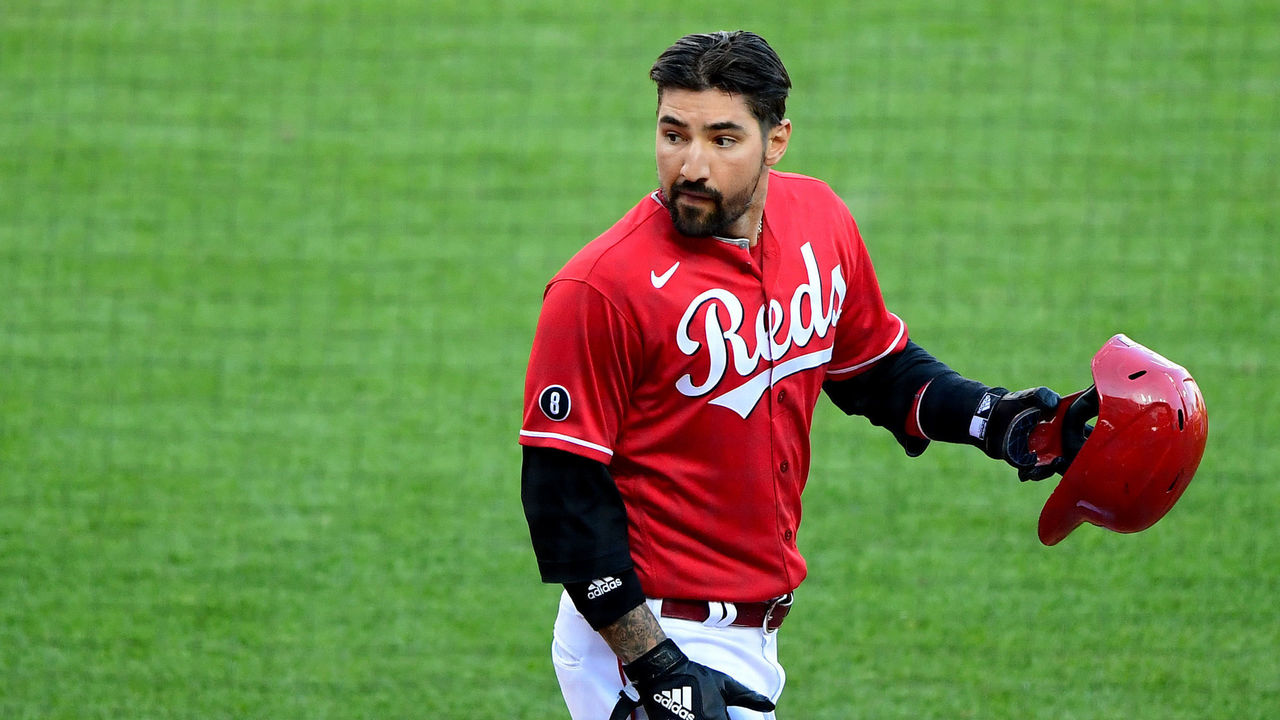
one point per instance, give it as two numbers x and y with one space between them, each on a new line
269 273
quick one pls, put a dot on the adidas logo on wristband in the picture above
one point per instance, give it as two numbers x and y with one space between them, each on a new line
602 586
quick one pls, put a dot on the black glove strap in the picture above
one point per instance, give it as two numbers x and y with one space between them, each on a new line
979 423
661 660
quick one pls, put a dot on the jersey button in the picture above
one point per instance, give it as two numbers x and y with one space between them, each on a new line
787 536
782 395
784 466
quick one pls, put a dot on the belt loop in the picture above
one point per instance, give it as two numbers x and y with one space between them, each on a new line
655 606
715 615
730 614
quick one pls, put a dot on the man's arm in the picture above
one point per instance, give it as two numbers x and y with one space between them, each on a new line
633 634
886 392
919 398
578 524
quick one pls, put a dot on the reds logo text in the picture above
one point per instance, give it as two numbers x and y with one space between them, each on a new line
720 336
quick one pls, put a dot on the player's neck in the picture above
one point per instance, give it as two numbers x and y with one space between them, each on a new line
751 224
751 238
755 214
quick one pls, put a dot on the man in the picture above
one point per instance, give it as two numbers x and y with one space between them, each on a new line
673 377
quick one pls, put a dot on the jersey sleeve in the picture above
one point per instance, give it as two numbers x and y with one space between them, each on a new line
580 373
867 331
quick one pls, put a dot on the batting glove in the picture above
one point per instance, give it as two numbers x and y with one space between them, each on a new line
673 687
1009 419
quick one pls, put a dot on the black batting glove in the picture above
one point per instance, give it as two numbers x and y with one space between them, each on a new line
673 687
1003 423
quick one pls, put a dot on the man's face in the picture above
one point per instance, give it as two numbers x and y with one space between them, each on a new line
711 157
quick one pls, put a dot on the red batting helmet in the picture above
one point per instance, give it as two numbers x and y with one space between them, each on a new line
1133 466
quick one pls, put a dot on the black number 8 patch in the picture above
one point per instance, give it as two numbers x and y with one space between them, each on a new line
554 402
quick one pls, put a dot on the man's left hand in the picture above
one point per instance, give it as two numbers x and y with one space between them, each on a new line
1009 427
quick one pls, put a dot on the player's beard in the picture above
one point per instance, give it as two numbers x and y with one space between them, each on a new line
697 222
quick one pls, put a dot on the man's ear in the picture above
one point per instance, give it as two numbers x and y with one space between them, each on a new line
776 142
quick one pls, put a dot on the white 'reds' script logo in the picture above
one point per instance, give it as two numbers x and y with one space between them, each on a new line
770 343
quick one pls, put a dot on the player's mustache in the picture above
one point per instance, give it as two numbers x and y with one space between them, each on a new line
696 189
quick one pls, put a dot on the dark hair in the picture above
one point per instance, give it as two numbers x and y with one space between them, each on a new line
738 62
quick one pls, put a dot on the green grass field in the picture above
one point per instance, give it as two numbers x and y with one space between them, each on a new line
268 278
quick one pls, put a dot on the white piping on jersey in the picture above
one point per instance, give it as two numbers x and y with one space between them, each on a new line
902 329
568 439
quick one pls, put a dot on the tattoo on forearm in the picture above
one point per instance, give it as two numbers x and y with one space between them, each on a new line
633 634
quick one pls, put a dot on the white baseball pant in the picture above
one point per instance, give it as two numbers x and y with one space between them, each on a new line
590 675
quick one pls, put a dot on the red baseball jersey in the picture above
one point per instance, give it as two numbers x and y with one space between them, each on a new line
692 369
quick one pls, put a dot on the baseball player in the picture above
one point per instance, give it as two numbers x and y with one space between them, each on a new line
673 377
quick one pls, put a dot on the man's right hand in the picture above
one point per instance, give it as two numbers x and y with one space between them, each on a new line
673 687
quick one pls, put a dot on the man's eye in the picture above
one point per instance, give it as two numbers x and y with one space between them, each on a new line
673 137
725 141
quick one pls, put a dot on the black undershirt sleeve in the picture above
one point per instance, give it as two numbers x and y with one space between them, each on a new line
578 524
886 393
577 521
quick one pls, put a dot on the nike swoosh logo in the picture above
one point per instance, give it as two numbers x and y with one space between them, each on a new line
660 280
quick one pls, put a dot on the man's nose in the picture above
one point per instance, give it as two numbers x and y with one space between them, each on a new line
697 166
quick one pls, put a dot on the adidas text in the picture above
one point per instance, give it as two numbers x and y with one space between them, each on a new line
602 586
677 701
